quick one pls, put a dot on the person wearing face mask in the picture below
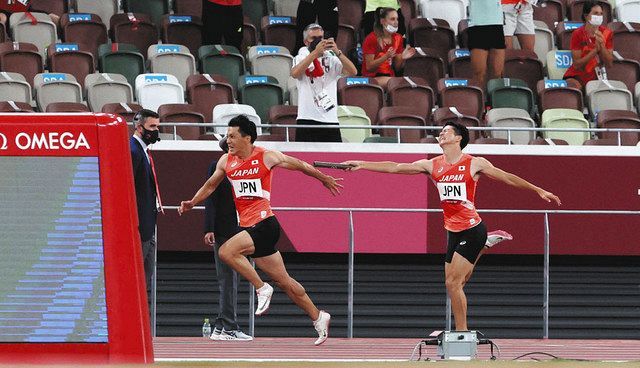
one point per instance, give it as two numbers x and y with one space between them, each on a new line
369 16
591 47
383 49
148 200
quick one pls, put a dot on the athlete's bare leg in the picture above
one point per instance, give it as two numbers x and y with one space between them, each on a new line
496 63
455 274
273 266
479 65
234 251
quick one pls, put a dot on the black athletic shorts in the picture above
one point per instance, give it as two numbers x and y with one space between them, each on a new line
265 235
468 243
486 37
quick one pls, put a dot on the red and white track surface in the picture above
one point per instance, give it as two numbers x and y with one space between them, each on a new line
341 349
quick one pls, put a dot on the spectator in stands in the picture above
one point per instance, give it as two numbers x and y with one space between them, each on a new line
591 47
222 19
220 224
317 68
9 7
383 49
147 125
326 12
486 39
518 20
369 17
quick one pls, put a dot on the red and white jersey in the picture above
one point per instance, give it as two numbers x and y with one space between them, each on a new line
457 191
251 182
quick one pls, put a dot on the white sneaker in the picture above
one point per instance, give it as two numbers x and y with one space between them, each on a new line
496 237
322 326
234 335
264 299
215 335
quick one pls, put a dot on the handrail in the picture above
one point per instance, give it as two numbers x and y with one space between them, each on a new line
351 210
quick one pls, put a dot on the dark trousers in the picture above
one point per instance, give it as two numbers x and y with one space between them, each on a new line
228 287
149 262
317 134
324 11
220 22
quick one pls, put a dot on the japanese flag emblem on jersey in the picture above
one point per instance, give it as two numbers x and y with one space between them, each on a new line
461 168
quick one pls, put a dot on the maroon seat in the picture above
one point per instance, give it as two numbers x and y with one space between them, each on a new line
435 34
189 7
523 64
280 34
207 91
271 138
250 35
619 119
133 28
126 110
563 35
88 33
402 116
543 142
181 113
21 57
14 106
468 99
3 33
67 107
283 114
550 12
600 142
426 64
491 141
77 63
444 115
559 97
408 8
57 7
627 71
346 38
460 64
183 30
368 95
463 35
351 12
626 39
413 92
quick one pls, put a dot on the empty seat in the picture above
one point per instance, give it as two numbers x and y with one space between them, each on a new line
600 142
183 30
511 118
153 90
491 141
3 33
510 92
172 59
255 10
270 138
181 113
67 107
286 115
205 91
13 87
223 60
250 36
626 39
523 64
275 61
426 64
346 39
57 7
280 31
463 33
444 115
287 8
353 115
544 41
549 11
105 9
460 64
133 28
628 10
379 139
85 29
154 8
435 34
126 110
35 28
453 11
409 10
558 61
188 7
557 94
22 58
363 92
56 87
548 142
71 59
104 88
574 12
120 58
619 119
15 106
261 92
608 95
462 95
402 116
626 71
351 12
224 112
563 34
413 92
565 118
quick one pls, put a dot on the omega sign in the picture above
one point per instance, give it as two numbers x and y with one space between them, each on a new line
46 141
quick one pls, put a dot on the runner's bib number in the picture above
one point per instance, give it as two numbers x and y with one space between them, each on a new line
452 191
247 188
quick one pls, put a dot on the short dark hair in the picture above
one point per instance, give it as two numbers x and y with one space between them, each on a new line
462 131
245 126
586 8
141 116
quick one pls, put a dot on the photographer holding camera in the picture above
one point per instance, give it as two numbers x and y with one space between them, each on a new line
317 68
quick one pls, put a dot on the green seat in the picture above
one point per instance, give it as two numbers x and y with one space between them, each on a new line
222 60
154 8
565 118
260 92
353 115
510 92
379 139
126 60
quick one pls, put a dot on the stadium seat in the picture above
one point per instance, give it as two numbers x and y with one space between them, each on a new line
250 35
133 28
608 95
548 142
346 39
67 107
353 115
363 92
223 60
188 7
462 95
205 91
511 118
172 59
14 87
71 59
85 29
463 33
628 10
15 106
105 9
3 33
435 34
544 41
104 88
272 60
42 33
409 10
460 64
285 115
224 112
523 64
402 116
181 113
153 90
57 7
619 119
183 30
280 31
120 58
426 64
491 141
557 94
126 110
255 10
558 61
600 142
56 87
292 89
22 58
270 138
549 11
444 115
351 12
563 34
625 70
261 92
574 12
379 139
626 39
636 95
154 8
565 118
286 8
453 11
510 92
413 92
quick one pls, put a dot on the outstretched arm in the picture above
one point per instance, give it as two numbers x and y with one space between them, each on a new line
417 167
482 165
209 186
279 159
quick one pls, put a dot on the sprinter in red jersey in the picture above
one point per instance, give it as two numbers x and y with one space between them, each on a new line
249 169
456 174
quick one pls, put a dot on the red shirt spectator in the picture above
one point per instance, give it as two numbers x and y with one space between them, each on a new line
581 41
371 46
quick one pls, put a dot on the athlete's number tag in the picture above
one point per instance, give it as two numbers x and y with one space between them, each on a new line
323 101
247 188
452 191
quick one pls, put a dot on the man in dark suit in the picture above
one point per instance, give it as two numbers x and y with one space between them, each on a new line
147 196
220 224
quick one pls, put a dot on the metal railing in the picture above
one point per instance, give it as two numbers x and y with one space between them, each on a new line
351 265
